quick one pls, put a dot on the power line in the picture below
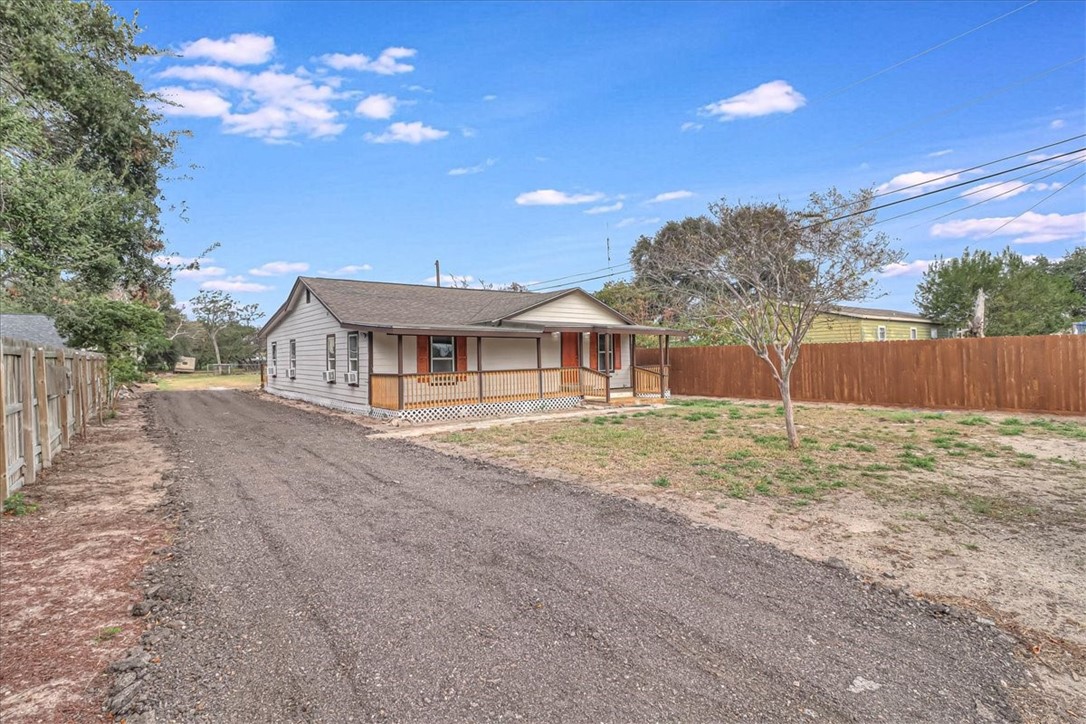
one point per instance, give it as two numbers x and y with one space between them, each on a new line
589 279
973 101
570 276
1031 208
921 54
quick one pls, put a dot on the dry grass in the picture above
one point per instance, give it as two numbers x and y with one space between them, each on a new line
205 381
736 450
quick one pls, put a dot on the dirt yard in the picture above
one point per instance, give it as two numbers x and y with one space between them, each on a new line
172 382
71 571
986 512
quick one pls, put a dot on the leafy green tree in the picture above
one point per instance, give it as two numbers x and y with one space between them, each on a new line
81 155
126 331
1073 266
217 313
1022 297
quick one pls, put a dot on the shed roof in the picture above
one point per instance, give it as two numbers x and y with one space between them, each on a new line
882 314
35 328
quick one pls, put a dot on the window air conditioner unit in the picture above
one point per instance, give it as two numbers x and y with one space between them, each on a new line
272 371
329 376
351 378
292 373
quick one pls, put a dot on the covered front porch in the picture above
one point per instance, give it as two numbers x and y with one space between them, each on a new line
510 370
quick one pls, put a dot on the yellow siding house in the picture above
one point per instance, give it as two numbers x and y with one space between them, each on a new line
860 324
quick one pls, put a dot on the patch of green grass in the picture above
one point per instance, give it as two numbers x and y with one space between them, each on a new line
739 455
810 442
107 633
1061 427
933 416
700 415
738 490
774 442
974 420
1012 422
662 482
1008 430
764 487
861 447
898 417
922 462
15 504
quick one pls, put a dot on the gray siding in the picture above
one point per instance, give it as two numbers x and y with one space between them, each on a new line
309 324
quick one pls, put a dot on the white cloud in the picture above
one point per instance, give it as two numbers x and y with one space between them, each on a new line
1006 189
1058 123
489 98
238 49
944 152
279 268
413 133
670 196
270 105
551 197
190 102
1029 228
348 271
637 221
919 181
478 168
235 284
906 269
607 209
419 89
378 106
690 126
468 132
774 97
387 63
204 272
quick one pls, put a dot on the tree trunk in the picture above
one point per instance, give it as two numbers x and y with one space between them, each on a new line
785 385
215 344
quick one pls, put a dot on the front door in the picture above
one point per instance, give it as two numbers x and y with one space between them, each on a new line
571 353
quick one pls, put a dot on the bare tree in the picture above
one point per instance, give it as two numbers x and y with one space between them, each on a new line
768 271
215 311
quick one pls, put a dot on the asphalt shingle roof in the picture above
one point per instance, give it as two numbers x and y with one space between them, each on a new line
359 302
35 328
871 313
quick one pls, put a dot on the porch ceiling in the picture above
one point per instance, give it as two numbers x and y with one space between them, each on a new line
520 329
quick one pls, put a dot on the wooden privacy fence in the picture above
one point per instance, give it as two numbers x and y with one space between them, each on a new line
47 395
1034 374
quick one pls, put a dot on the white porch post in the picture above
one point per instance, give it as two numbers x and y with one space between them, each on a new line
479 364
539 363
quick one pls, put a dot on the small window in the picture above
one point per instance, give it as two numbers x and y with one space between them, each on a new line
934 333
442 354
275 355
880 333
293 358
912 332
605 359
330 353
352 351
307 296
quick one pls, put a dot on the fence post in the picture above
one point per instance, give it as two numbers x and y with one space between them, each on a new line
99 390
65 437
43 408
28 417
4 491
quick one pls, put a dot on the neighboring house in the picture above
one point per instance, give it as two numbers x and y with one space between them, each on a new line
427 353
1079 327
860 324
34 328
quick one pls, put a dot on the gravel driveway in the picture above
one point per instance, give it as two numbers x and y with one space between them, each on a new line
329 577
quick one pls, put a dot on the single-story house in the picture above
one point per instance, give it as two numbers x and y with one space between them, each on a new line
428 353
862 324
34 328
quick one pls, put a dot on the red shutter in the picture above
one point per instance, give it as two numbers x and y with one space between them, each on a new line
422 354
594 352
461 354
616 345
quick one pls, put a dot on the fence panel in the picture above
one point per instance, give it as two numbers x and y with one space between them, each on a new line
1025 374
41 389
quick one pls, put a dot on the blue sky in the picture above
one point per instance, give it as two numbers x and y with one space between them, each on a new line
510 141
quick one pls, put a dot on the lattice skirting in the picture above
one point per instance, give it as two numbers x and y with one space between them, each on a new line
667 394
484 409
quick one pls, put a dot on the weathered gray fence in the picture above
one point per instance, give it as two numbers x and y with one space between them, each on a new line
47 396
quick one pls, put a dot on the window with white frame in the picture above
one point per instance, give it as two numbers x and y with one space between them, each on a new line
442 354
880 333
352 351
275 353
330 353
293 357
935 333
912 332
605 353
